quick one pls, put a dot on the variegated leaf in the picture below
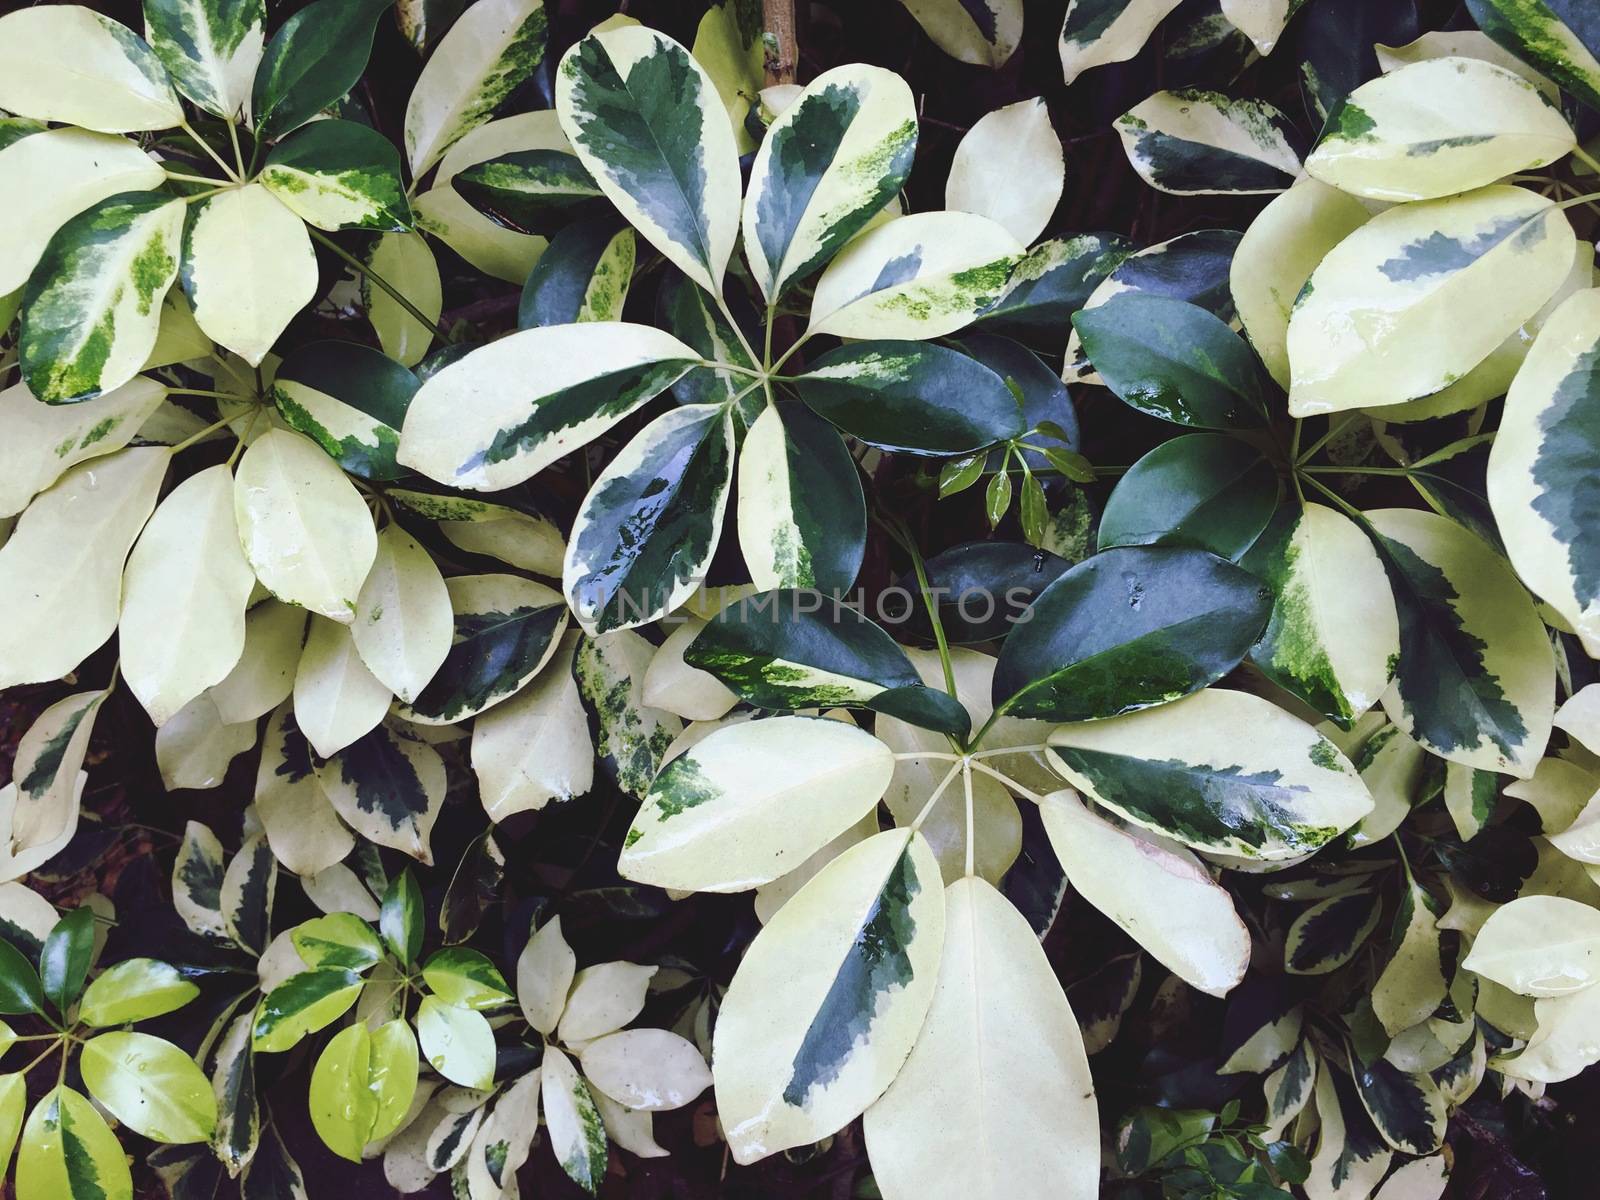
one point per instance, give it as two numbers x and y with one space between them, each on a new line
54 175
210 47
644 538
1218 770
1420 295
442 211
69 64
339 175
1097 32
303 829
717 819
985 34
802 517
505 630
39 442
829 999
1334 635
1475 681
1538 482
998 1068
45 771
1202 143
389 788
584 275
92 307
629 737
467 428
921 276
1436 128
1557 36
649 125
576 1133
827 166
490 50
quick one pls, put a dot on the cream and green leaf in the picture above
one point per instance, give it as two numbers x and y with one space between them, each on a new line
1475 681
1541 466
920 276
1219 770
92 307
802 516
1558 37
210 48
830 998
1201 143
717 819
1334 634
1097 32
829 164
998 1067
792 649
489 52
1418 296
1436 128
339 175
647 122
389 788
467 428
506 629
52 176
643 540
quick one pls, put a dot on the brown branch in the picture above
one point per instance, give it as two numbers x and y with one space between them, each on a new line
782 53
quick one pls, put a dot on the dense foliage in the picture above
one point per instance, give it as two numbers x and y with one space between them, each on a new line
962 598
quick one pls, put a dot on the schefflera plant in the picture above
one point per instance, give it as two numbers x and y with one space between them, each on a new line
279 583
146 1083
893 978
1419 267
648 137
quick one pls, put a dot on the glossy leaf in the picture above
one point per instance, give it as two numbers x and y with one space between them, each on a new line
827 166
792 649
647 530
648 124
1127 629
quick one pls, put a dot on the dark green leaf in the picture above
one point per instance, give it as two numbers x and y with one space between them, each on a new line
791 649
1174 360
400 918
912 397
315 58
1206 490
1127 629
64 961
20 991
